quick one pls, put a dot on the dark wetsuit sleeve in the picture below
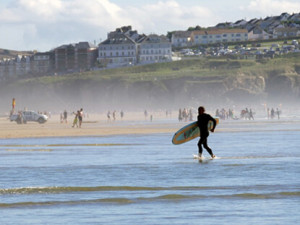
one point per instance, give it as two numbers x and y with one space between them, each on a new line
214 122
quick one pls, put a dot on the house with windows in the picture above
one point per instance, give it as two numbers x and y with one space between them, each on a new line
257 33
11 68
42 63
181 39
212 36
117 50
75 57
286 32
85 56
154 49
125 47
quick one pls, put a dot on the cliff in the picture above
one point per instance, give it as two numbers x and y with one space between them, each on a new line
187 83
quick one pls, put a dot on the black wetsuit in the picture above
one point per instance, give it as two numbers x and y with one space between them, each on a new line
203 126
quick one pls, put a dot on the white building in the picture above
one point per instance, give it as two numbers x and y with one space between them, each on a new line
125 47
181 38
154 49
211 36
118 50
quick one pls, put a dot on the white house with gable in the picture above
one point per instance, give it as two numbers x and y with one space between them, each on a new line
154 48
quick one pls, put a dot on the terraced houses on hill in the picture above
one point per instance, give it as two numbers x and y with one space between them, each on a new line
126 47
273 27
123 47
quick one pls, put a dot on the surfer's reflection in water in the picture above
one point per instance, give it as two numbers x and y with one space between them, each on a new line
203 119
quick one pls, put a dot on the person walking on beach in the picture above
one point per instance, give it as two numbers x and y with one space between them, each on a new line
108 116
66 116
13 104
80 115
75 119
202 122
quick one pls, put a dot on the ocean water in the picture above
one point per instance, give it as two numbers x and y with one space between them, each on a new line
144 179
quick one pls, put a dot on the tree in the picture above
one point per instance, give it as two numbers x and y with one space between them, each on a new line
194 28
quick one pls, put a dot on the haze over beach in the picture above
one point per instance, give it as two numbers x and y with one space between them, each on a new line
44 25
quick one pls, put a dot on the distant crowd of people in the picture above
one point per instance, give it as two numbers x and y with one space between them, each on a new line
273 113
114 115
185 115
247 114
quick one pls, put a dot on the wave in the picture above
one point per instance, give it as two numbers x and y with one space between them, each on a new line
58 190
49 190
73 202
167 197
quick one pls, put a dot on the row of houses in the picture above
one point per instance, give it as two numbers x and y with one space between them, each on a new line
123 47
274 27
66 58
126 47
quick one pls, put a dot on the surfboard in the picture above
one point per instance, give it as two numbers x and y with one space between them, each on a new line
189 132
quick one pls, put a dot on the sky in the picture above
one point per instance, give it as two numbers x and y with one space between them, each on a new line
43 25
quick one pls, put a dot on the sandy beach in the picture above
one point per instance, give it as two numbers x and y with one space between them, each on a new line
132 123
94 125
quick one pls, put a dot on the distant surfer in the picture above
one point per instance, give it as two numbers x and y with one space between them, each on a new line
202 122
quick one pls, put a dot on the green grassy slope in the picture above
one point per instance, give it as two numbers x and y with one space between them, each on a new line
169 84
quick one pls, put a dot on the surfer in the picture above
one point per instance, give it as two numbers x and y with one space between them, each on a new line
202 122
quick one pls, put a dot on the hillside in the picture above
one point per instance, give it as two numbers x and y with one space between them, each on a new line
187 83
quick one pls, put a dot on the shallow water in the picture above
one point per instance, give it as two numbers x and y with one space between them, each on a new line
145 179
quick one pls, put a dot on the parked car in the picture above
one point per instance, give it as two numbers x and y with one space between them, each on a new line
295 42
24 116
